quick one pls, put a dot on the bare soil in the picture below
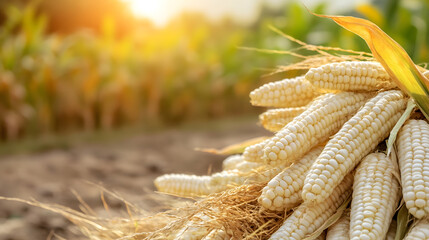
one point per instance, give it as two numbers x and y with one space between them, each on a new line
126 166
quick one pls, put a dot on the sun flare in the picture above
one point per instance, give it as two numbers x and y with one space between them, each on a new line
153 10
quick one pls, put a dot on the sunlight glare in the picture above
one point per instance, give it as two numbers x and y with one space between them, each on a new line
154 10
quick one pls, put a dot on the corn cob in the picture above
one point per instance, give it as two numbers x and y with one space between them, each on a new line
392 231
231 162
246 166
275 119
223 180
413 157
294 92
255 153
191 185
284 190
237 162
419 231
358 137
308 217
323 118
340 229
183 185
350 76
376 195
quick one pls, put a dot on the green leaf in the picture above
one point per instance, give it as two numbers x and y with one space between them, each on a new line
392 136
402 220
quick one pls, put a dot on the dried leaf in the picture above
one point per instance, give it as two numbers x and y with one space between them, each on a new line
392 56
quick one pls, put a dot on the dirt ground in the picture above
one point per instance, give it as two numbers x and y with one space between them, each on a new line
127 166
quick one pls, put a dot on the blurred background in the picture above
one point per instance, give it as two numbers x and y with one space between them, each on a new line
78 65
118 92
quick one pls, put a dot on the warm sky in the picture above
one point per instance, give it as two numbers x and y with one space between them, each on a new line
160 11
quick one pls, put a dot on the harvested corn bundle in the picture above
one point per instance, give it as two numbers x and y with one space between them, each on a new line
363 122
294 92
376 196
413 157
350 76
358 137
322 118
275 119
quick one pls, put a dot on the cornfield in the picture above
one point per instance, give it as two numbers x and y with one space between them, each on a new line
50 83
